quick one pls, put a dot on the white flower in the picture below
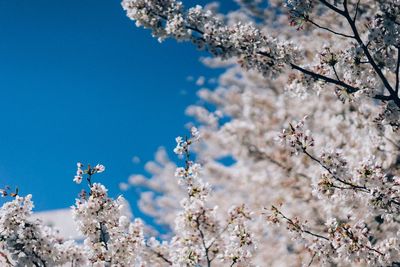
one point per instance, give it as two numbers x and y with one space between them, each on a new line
77 179
179 139
99 168
178 150
180 172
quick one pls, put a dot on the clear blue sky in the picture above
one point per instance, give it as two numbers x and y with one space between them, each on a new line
79 82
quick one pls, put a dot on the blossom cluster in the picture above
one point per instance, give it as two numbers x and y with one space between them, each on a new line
89 171
335 180
201 238
110 237
254 49
299 11
28 242
296 137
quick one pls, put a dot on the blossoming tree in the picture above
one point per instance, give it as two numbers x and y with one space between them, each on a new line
307 111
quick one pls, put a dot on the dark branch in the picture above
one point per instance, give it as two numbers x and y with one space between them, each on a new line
349 88
356 13
312 259
329 30
298 227
158 254
336 74
345 13
356 187
383 97
332 7
203 240
386 83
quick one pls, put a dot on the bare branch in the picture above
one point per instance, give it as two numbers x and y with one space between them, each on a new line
312 259
332 7
329 30
356 12
336 74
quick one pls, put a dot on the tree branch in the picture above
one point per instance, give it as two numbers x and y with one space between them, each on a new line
336 74
356 13
385 82
312 259
158 254
206 248
317 76
298 227
329 30
356 187
332 7
345 13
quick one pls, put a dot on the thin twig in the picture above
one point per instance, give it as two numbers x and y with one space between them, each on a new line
349 88
384 80
332 7
206 248
357 187
334 70
312 259
158 254
298 227
356 13
345 13
6 258
393 142
329 30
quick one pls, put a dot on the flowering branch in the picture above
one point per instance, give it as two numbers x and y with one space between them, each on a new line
353 186
294 225
327 29
345 13
339 233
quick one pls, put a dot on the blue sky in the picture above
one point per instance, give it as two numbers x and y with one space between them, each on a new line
79 82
